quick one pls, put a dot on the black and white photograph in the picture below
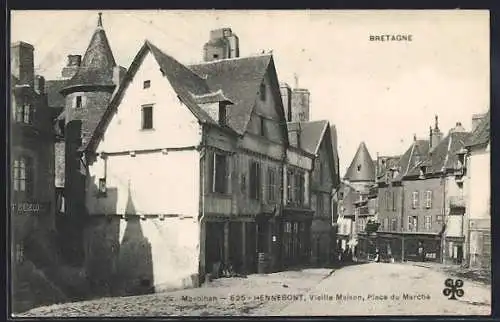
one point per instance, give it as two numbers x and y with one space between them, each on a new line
172 163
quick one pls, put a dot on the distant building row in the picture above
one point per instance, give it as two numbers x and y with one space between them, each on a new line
430 204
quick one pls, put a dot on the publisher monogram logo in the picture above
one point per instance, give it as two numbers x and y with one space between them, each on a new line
453 288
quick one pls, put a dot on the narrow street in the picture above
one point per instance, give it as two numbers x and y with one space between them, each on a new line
365 289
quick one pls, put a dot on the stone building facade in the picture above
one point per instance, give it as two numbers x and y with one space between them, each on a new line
31 151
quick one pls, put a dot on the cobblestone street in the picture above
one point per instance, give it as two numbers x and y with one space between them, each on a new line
365 289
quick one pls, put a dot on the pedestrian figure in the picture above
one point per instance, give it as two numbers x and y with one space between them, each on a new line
421 253
377 256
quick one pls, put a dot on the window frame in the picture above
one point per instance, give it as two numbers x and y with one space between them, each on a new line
220 182
428 199
255 180
143 117
394 224
78 101
23 113
272 185
102 188
428 223
414 200
146 84
23 173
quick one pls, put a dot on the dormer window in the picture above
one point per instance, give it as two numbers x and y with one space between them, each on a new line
222 113
423 170
262 92
146 84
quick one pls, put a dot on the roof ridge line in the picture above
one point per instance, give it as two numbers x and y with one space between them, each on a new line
227 59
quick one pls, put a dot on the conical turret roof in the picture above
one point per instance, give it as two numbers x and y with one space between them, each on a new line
97 63
362 167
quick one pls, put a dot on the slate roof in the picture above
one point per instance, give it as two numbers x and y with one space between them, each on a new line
390 162
481 134
183 81
98 62
240 79
418 151
444 155
53 88
362 166
311 135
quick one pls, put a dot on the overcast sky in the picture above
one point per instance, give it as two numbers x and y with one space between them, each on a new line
377 92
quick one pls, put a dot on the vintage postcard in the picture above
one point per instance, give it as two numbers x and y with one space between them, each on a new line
269 163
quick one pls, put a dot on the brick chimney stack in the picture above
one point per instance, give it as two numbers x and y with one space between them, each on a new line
476 119
72 66
223 44
22 62
300 105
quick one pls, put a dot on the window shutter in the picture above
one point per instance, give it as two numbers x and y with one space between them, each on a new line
84 100
430 199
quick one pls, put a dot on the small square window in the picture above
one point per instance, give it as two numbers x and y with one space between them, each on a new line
102 187
147 117
146 84
216 56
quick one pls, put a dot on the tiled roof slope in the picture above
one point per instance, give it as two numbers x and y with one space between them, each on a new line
418 151
385 163
185 83
53 88
239 78
362 167
444 156
481 135
311 134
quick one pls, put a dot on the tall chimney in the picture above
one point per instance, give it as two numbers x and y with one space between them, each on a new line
300 105
476 119
22 62
223 44
72 66
40 84
286 97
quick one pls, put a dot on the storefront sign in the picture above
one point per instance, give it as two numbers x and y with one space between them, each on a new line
29 208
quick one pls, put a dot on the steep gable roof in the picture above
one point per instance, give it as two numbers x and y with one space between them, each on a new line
362 167
481 135
444 156
184 82
312 135
417 152
240 79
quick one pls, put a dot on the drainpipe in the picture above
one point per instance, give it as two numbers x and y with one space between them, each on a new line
202 218
445 220
402 222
